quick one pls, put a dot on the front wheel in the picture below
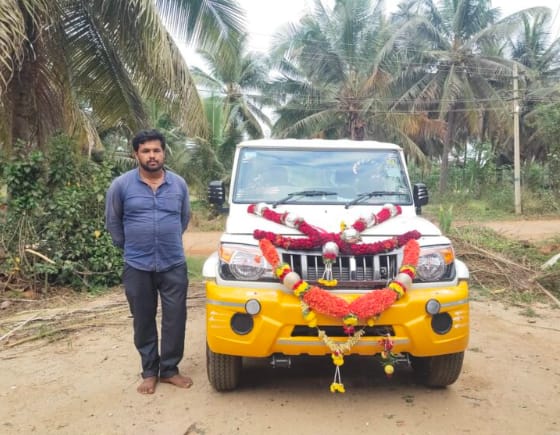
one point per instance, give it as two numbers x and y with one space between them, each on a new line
438 371
223 371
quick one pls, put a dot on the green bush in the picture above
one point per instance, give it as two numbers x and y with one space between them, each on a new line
54 225
481 190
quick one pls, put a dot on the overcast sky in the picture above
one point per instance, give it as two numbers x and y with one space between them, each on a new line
266 16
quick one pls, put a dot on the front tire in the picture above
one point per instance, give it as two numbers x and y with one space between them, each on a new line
438 371
223 371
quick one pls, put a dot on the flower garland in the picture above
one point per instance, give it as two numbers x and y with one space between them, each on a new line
313 300
347 240
332 243
387 355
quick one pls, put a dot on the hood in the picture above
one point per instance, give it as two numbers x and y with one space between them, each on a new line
329 218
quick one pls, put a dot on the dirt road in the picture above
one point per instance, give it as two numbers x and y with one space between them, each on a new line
530 230
86 384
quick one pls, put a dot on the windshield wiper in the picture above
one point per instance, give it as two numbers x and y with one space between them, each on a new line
363 196
302 193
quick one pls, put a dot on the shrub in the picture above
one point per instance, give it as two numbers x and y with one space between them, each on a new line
54 227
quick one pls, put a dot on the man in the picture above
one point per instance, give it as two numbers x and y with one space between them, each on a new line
147 210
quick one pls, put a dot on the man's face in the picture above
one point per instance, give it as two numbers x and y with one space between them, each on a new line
150 156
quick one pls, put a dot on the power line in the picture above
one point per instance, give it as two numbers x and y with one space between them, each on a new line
506 95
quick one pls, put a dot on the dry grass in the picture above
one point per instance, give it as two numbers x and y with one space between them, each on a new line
506 269
34 322
202 220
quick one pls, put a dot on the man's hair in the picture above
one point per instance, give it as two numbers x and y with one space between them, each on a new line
145 136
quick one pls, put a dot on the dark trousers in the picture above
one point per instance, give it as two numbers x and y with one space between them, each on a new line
141 290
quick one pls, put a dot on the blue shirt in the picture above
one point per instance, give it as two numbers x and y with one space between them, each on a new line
148 225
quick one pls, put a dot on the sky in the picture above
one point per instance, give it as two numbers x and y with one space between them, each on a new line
266 16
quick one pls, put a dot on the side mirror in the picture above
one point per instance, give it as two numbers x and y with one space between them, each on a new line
216 193
421 196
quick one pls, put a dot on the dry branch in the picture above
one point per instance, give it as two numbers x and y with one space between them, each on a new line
55 323
21 325
518 277
38 254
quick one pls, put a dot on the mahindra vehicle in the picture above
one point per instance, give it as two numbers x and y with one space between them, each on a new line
325 252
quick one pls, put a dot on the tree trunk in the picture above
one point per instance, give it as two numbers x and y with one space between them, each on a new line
444 174
357 127
24 123
25 120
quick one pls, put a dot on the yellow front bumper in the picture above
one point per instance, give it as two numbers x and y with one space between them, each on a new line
281 311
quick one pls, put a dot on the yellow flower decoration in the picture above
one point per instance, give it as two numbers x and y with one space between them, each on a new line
408 267
97 234
328 282
282 269
301 289
337 387
338 359
310 317
397 288
351 320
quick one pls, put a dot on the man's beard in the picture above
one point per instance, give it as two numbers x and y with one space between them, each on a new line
149 168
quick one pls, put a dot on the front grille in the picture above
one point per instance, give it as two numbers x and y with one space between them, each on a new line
360 271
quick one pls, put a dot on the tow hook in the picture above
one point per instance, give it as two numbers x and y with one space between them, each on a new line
281 361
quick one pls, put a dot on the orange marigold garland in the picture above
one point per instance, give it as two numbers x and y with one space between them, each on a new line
324 302
269 252
366 307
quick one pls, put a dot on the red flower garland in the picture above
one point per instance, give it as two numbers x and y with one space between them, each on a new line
306 244
315 238
364 307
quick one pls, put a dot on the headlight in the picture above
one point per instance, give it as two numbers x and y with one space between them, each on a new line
245 263
433 262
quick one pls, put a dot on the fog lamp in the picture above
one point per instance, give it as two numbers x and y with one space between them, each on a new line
432 307
253 307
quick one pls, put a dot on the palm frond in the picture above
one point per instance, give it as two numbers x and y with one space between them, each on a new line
202 22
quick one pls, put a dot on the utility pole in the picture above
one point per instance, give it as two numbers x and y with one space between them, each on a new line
516 153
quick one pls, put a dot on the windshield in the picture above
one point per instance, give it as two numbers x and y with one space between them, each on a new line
320 176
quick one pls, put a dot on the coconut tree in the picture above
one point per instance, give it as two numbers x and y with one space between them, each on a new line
457 74
73 66
204 161
237 78
541 57
337 70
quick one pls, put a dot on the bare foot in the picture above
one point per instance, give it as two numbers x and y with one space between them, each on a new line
178 380
148 385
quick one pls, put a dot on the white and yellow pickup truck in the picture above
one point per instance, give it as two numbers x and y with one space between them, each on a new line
314 261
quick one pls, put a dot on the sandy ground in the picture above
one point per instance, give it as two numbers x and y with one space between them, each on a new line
533 231
86 384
